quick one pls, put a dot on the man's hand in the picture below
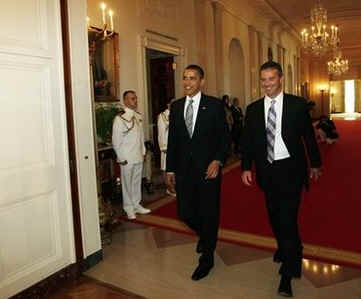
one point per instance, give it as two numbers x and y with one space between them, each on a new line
125 162
247 177
315 173
170 180
212 170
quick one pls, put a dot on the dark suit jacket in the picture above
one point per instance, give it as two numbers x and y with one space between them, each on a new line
297 133
210 140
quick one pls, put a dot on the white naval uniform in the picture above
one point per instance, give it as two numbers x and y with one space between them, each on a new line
163 127
128 143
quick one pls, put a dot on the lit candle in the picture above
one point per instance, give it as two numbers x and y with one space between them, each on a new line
111 20
103 7
88 22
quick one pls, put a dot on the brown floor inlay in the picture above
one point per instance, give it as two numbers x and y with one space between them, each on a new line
90 288
234 254
165 238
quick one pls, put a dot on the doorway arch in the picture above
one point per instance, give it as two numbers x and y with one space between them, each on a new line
237 72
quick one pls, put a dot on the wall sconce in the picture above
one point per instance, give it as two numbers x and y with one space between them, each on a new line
107 29
323 87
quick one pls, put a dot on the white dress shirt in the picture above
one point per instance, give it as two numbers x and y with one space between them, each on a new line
196 100
280 149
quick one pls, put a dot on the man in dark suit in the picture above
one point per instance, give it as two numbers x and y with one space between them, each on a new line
198 144
277 130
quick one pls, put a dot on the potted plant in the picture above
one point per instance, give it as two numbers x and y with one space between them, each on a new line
104 115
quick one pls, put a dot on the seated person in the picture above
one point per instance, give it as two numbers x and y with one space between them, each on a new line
326 130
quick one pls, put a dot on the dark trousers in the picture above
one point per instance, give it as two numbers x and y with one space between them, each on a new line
283 197
199 204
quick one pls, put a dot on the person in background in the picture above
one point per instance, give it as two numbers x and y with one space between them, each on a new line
128 144
227 109
163 127
237 128
326 130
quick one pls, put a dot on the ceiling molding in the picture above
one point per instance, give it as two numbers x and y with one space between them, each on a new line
293 30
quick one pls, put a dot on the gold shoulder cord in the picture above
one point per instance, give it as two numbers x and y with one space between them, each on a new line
132 122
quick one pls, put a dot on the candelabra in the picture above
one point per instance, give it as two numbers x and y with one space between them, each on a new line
107 29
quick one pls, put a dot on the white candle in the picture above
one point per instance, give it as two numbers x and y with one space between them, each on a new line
88 22
111 20
103 6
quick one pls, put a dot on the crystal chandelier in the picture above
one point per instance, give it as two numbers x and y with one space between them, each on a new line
319 41
337 66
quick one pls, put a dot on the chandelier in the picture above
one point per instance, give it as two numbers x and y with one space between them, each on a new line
337 66
319 41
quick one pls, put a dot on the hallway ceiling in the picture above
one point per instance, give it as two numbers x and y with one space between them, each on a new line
344 13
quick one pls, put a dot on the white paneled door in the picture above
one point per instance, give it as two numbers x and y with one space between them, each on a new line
36 237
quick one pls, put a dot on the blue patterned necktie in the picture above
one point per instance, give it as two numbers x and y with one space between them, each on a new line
189 117
271 131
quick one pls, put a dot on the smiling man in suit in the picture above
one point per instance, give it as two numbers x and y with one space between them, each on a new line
198 143
277 130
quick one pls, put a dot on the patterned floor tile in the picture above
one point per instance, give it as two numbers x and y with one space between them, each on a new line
165 238
234 254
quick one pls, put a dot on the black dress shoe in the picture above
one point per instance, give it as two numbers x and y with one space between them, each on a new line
199 248
206 262
285 288
201 271
277 258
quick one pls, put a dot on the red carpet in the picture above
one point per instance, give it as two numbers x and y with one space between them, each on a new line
330 213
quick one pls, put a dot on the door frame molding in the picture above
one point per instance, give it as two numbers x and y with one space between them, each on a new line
71 136
180 58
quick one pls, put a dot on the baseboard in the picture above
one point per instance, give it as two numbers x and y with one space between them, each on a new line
93 259
52 283
60 279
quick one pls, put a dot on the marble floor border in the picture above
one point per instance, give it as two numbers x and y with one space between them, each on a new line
321 253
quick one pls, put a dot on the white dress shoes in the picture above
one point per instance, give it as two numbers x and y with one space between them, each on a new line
131 215
141 210
170 193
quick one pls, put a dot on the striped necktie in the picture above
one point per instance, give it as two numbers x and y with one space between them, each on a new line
271 131
189 117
